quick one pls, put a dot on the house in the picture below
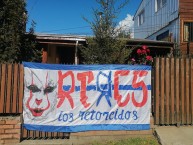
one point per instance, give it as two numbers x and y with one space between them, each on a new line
166 20
60 49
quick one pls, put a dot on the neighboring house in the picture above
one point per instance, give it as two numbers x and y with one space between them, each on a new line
60 49
166 20
65 49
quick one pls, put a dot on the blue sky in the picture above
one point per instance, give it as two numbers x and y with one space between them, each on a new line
66 16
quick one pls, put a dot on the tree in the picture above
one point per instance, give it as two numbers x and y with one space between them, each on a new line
105 47
29 50
13 18
124 34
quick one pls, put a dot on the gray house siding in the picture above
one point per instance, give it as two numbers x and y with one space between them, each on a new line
157 21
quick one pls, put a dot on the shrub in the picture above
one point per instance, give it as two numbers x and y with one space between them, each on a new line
141 56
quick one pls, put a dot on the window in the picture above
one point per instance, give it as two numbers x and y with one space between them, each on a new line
159 4
141 18
163 36
188 31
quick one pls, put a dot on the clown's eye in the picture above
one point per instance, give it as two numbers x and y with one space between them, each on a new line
33 88
48 89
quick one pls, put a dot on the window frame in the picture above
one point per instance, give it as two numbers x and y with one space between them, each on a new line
161 3
188 29
141 17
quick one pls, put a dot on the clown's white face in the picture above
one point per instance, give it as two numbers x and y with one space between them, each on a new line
41 96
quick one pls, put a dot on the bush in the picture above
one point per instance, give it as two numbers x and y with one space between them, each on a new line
141 56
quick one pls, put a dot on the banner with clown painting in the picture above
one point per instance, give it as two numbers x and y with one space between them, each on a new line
74 98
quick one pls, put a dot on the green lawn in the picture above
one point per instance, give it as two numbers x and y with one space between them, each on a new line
131 141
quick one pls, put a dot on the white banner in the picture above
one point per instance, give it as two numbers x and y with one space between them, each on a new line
64 98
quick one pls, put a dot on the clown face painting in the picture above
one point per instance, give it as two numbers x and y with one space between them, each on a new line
41 95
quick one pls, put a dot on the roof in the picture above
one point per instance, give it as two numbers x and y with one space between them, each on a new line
157 48
150 43
147 41
60 37
137 9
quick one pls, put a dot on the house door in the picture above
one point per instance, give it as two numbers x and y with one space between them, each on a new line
66 55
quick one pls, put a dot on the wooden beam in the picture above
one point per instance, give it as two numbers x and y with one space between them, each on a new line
59 43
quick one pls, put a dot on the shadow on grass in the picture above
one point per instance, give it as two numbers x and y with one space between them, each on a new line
130 141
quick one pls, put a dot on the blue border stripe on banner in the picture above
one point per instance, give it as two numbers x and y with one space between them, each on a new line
85 67
80 128
94 88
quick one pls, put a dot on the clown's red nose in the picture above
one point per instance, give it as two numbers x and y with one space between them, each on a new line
38 102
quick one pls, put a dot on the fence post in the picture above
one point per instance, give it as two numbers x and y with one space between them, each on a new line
157 93
188 48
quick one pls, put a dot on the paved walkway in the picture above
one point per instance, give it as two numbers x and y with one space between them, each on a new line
175 136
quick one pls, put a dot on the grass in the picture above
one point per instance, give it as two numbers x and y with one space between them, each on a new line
131 141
